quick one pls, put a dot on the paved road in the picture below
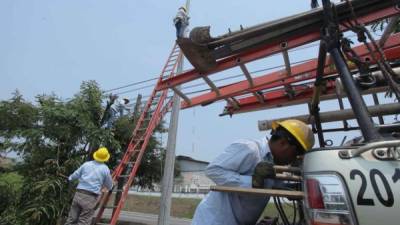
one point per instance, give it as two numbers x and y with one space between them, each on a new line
145 219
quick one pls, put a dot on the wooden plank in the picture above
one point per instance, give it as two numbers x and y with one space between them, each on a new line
256 191
288 177
279 169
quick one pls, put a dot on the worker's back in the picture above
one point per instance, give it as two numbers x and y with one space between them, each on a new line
92 176
234 167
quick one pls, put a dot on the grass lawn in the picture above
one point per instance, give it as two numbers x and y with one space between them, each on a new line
181 207
185 207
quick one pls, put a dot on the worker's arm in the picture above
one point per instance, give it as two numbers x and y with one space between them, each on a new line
108 183
228 168
76 174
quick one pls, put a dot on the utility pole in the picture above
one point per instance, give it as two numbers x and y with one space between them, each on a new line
168 177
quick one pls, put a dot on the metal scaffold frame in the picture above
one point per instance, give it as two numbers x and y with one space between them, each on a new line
236 94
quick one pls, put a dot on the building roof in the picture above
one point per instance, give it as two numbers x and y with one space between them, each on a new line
187 158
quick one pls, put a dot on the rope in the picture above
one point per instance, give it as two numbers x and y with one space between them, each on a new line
382 63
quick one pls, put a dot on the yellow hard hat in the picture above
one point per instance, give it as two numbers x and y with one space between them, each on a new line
101 155
299 130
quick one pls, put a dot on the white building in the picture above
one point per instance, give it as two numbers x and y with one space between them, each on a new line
192 178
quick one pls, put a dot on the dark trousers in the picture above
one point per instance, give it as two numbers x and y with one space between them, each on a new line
179 29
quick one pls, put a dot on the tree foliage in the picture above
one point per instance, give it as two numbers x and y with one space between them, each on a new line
55 137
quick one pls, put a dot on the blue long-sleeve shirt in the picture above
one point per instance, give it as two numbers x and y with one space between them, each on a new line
234 167
92 177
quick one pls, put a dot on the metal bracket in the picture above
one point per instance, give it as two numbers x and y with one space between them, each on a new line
348 154
387 153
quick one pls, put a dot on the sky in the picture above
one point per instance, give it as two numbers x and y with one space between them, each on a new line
51 46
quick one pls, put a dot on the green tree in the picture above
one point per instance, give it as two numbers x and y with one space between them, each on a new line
55 137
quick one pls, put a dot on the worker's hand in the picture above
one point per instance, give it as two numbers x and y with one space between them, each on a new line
262 171
63 176
265 169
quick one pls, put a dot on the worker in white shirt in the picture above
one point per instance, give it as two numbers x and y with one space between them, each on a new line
181 22
249 163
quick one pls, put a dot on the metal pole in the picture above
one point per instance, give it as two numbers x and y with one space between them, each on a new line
389 29
368 129
168 177
335 116
314 108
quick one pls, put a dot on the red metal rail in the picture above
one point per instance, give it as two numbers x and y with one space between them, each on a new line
262 52
280 98
300 72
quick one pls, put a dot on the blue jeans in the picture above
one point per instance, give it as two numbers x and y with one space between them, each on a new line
180 30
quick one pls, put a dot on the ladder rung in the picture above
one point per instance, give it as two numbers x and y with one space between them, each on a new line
247 74
123 176
172 60
212 85
178 92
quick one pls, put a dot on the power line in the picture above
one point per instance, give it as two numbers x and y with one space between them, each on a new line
155 78
136 89
217 80
132 84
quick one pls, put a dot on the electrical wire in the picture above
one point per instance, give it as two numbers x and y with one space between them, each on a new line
155 78
132 84
294 212
234 76
281 211
215 81
203 84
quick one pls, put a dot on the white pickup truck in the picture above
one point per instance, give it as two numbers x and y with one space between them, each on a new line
353 185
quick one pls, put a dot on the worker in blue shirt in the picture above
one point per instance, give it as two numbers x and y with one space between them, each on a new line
249 163
92 176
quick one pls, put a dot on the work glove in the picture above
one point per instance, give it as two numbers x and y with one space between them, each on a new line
262 171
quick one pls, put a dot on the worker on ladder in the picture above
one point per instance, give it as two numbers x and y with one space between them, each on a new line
92 176
249 163
181 22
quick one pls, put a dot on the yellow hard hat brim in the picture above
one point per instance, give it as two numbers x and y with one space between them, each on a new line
276 124
100 159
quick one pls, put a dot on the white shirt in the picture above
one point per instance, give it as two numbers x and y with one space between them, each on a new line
234 167
92 176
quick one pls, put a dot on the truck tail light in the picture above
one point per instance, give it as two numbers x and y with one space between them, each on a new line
327 201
